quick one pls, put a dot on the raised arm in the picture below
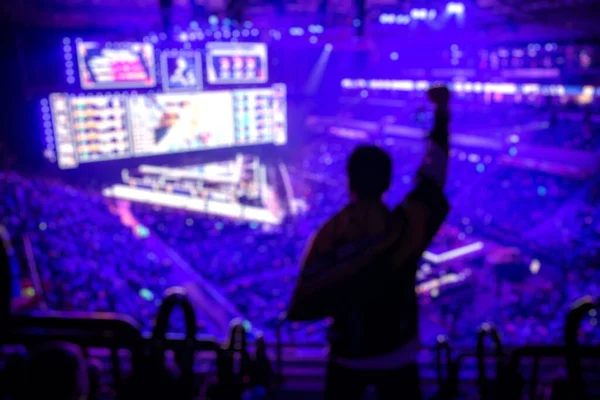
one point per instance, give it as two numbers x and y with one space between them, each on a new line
435 163
426 207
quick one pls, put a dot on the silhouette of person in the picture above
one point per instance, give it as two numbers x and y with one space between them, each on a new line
58 371
360 270
184 75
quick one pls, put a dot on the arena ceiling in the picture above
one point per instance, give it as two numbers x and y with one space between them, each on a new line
563 18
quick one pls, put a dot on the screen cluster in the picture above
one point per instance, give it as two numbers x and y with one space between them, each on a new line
167 109
99 128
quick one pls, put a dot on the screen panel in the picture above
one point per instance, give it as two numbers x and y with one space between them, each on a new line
236 63
260 115
96 128
115 65
181 70
168 123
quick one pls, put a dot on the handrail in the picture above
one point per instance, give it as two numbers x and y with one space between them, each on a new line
280 322
442 347
86 328
184 357
5 285
448 386
175 297
487 330
575 373
109 330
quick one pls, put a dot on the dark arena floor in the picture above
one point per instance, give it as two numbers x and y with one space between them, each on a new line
195 155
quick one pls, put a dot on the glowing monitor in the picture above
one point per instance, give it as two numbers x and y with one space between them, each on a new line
236 63
181 70
86 129
116 65
169 123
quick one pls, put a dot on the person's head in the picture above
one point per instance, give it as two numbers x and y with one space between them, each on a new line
181 63
369 172
58 371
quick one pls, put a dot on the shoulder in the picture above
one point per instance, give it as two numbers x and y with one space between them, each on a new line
330 231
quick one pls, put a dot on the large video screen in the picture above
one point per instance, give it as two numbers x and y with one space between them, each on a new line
107 127
114 65
236 63
168 123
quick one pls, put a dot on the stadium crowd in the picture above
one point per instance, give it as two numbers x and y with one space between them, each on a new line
89 261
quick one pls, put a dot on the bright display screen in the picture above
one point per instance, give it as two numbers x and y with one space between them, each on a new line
181 70
111 126
167 123
236 63
116 65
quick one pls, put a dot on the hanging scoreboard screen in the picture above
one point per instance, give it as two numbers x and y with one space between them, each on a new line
236 63
116 65
116 126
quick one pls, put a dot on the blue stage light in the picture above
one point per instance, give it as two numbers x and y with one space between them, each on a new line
146 294
394 56
542 191
142 231
66 41
313 39
213 20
